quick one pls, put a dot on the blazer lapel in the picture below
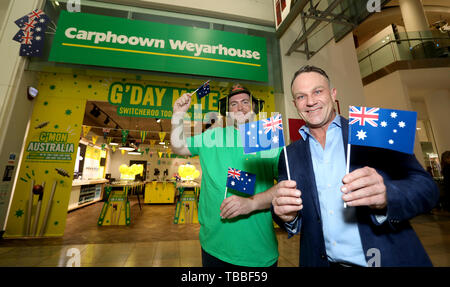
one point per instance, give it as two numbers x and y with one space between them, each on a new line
309 179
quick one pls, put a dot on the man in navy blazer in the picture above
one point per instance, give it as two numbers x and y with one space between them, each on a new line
383 190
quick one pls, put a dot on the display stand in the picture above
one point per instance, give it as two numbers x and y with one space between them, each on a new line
116 210
186 210
159 192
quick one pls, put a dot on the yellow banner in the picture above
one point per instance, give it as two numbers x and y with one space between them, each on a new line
41 197
86 130
162 135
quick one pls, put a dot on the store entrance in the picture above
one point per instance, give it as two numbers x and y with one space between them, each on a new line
111 148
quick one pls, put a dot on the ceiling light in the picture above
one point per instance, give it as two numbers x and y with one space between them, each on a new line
113 144
95 111
126 147
134 153
158 120
162 143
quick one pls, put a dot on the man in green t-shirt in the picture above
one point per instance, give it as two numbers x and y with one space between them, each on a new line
234 229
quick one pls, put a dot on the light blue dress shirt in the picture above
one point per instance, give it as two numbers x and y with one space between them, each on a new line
340 229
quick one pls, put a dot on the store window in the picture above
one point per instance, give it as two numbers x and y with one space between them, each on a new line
429 150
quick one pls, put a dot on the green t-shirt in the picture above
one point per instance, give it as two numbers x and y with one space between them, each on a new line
246 240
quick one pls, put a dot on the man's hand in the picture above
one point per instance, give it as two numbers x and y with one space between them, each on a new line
364 187
235 205
182 104
287 201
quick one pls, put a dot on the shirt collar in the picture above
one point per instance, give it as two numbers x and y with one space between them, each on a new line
304 130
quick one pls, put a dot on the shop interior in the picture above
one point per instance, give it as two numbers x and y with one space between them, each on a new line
129 159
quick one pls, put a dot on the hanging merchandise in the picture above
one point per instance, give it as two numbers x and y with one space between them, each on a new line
152 143
162 135
143 135
147 150
86 130
105 134
94 139
124 136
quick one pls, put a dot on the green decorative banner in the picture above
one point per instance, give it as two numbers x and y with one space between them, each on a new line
150 101
118 42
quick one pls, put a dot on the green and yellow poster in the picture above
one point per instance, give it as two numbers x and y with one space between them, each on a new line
39 205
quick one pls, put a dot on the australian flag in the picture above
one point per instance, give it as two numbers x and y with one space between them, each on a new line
241 181
32 32
262 135
203 90
383 128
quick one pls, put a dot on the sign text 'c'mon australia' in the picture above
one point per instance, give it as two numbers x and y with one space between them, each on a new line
118 42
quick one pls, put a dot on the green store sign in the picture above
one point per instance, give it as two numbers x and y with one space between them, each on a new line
135 100
118 42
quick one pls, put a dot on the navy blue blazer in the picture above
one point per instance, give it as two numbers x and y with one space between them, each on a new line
410 191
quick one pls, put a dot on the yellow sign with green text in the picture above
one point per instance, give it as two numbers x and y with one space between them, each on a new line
150 101
39 206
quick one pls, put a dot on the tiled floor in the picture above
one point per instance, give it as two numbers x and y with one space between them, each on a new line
150 242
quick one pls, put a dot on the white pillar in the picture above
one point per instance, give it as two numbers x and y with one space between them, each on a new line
12 65
413 15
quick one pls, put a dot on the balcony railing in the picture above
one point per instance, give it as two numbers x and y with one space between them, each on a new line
404 47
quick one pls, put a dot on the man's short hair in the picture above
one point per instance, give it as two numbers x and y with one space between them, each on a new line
308 69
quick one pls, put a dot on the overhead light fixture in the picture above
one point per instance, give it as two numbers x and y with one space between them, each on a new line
113 143
126 147
106 121
134 152
158 120
95 112
162 143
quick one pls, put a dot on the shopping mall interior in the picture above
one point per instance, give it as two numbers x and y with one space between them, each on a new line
111 187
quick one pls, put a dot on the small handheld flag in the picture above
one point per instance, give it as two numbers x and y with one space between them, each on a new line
262 135
203 90
241 181
383 128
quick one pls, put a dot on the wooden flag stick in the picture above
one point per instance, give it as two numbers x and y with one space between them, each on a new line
287 163
347 169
